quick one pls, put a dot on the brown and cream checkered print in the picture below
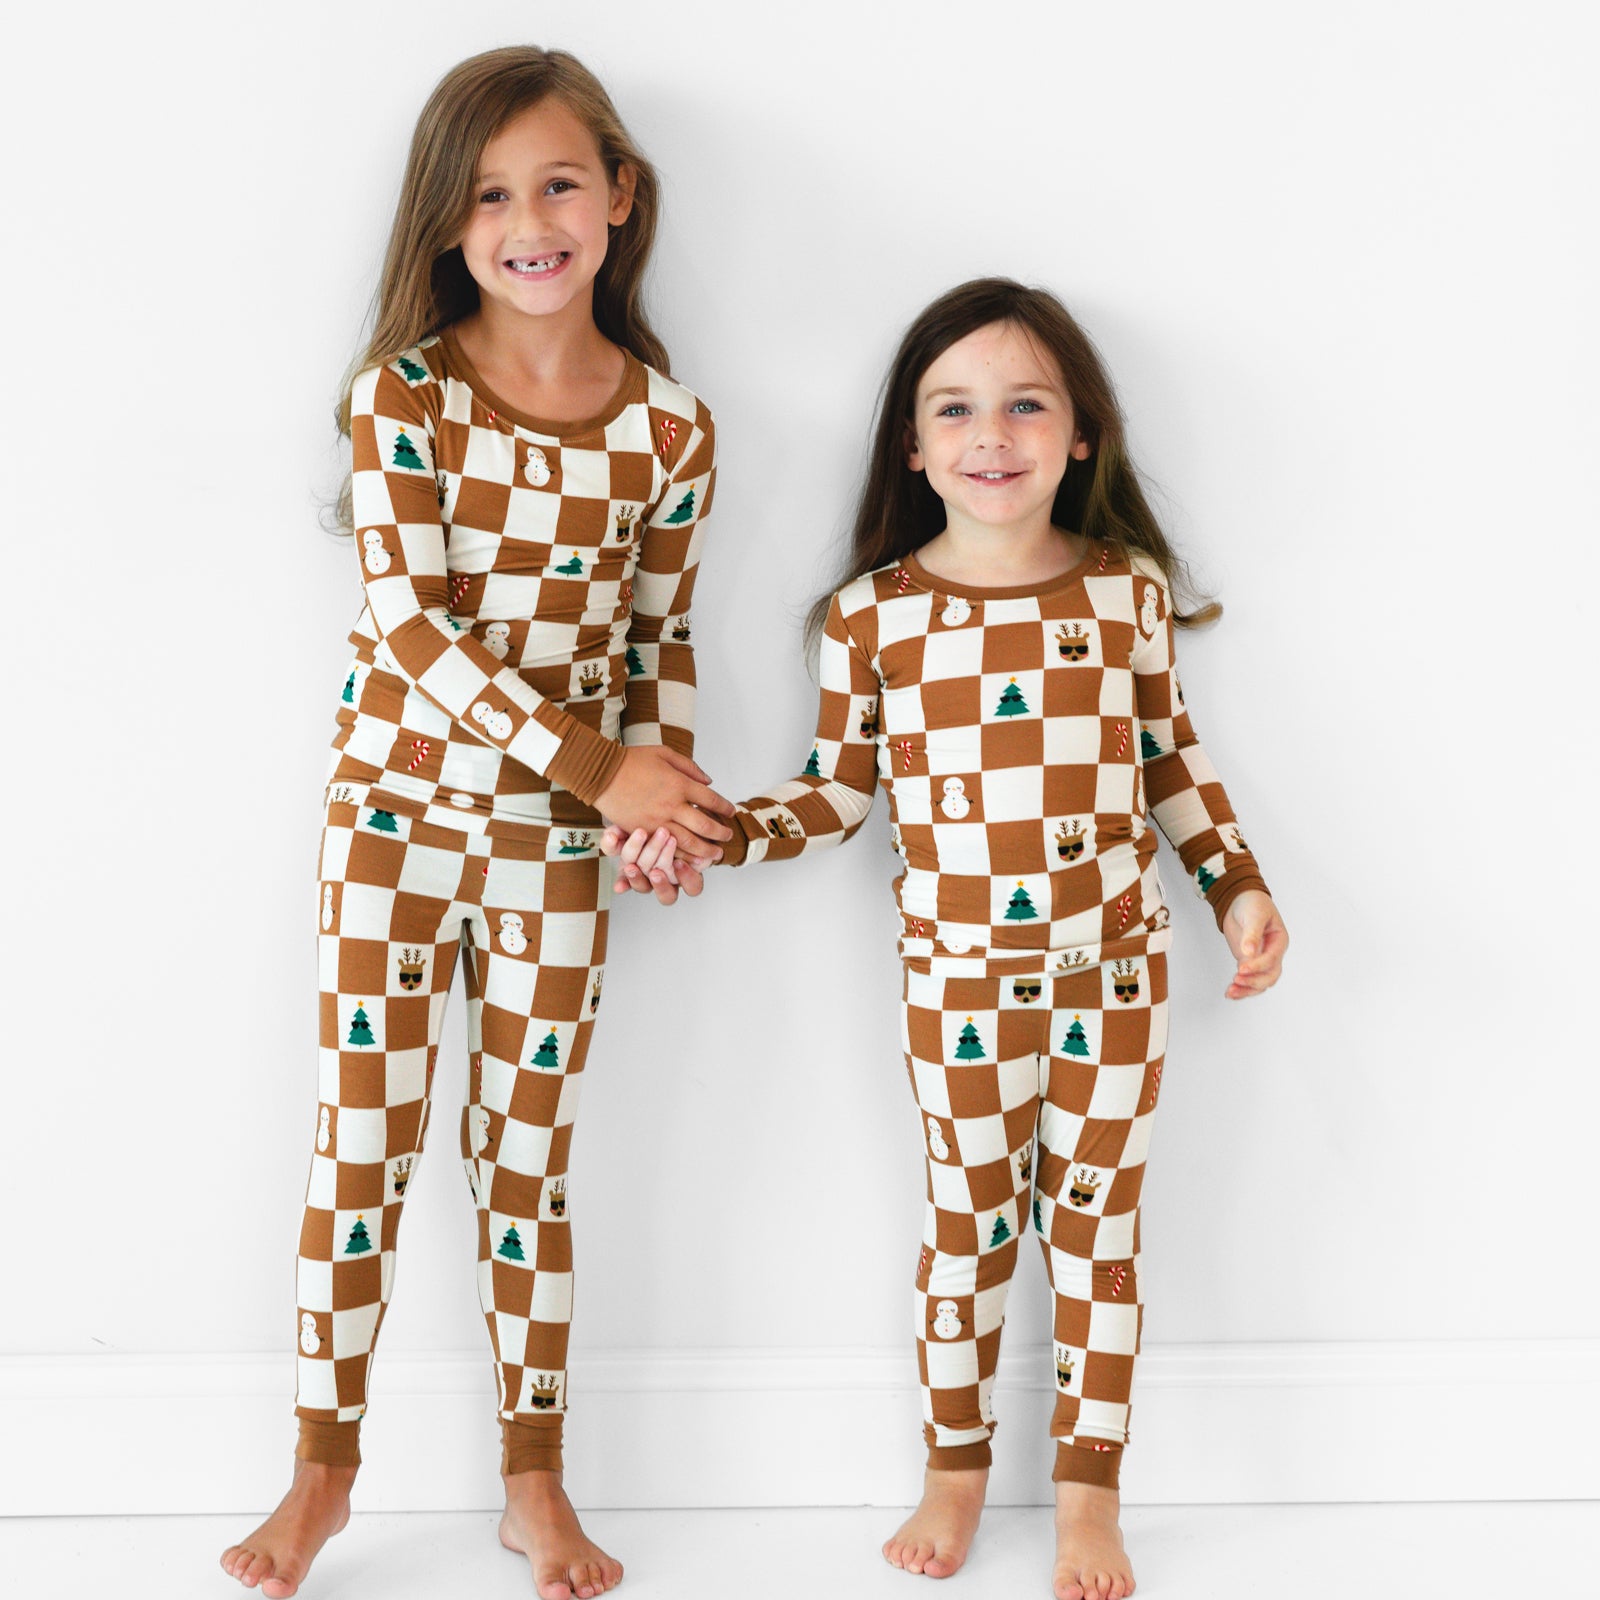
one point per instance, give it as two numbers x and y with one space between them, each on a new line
1022 735
527 592
398 898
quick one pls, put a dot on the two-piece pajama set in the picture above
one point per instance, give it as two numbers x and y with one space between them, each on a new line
1024 736
527 593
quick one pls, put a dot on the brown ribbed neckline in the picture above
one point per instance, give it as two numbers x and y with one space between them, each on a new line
633 387
1021 591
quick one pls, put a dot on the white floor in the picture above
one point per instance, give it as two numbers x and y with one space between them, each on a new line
1424 1552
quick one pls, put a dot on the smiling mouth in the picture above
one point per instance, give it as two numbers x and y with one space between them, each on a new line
991 477
538 266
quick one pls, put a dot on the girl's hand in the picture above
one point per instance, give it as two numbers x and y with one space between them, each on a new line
1258 939
657 788
651 864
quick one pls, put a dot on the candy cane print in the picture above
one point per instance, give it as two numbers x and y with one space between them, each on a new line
421 747
905 753
669 432
458 587
1118 1277
1124 910
901 579
1122 738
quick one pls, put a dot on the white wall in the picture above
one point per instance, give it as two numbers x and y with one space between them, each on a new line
1341 263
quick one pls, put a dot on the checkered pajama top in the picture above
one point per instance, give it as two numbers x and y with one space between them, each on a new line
1021 735
527 592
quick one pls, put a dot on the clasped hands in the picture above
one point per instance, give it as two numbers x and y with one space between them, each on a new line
661 815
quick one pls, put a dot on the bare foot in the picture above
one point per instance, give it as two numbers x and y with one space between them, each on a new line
280 1552
539 1522
935 1538
1090 1561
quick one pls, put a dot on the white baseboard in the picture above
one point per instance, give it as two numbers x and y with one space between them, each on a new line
1454 1420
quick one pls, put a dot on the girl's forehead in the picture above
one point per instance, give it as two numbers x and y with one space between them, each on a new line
998 353
548 133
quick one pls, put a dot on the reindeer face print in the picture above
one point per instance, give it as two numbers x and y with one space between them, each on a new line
1125 981
1084 1183
1064 1366
558 1198
1070 837
410 969
1027 990
1072 641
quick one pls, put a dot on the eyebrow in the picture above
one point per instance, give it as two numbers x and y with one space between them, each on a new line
549 166
1043 388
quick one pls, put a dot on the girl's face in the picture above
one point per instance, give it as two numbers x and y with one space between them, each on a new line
994 429
543 202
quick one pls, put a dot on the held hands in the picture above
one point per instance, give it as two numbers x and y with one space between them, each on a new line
656 788
1258 939
652 863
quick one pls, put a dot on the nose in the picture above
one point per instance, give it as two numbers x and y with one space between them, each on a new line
993 431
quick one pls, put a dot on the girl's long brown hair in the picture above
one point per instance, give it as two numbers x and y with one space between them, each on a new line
1100 498
425 284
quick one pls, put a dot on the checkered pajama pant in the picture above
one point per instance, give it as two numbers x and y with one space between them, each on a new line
398 899
1037 1096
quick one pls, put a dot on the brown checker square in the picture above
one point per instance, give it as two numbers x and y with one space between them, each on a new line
952 703
363 1080
316 1235
403 1126
572 885
1118 741
350 1379
1013 647
1107 1285
1071 1327
900 664
1125 1035
359 1186
1069 791
1013 742
536 1095
1116 639
450 442
974 1090
1101 1143
513 1194
1076 991
1073 1232
1107 1377
584 523
993 1187
632 477
358 1280
1072 691
954 1234
482 506
964 1306
1018 1032
405 750
405 1022
1123 1197
553 1251
513 1280
375 858
1021 846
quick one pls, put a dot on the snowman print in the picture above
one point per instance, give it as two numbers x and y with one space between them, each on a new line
1148 617
956 612
537 469
480 1131
955 804
310 1339
937 1148
512 940
375 557
947 1320
327 906
497 639
495 723
324 1129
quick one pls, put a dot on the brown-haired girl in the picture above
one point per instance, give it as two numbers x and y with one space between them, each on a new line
528 494
1000 659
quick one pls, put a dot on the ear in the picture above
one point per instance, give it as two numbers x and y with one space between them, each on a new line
913 452
1080 448
622 188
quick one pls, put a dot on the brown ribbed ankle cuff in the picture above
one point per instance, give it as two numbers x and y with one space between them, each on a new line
531 1446
959 1457
333 1444
1088 1461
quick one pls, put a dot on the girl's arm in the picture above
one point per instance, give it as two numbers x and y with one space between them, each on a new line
400 541
830 800
660 686
1181 786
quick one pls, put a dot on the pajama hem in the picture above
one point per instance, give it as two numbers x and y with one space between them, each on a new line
1085 1463
959 1457
333 1444
532 1446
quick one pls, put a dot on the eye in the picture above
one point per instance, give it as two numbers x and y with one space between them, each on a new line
1029 405
490 196
560 186
954 409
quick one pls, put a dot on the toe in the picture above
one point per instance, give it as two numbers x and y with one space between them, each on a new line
254 1570
551 1582
613 1572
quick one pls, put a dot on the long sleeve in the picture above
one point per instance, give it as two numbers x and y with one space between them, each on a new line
661 684
830 800
400 541
1185 794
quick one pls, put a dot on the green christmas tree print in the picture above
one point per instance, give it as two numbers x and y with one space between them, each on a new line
548 1054
1001 1232
1038 1216
349 695
1021 906
1011 702
410 371
511 1245
358 1243
635 662
685 509
969 1047
1205 879
572 568
1076 1042
383 821
360 1031
814 765
1148 747
405 453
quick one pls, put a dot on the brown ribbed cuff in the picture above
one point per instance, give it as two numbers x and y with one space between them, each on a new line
586 763
735 850
959 1457
1229 890
333 1444
530 1446
1088 1461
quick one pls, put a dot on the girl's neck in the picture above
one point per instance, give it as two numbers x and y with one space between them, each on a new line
983 557
559 366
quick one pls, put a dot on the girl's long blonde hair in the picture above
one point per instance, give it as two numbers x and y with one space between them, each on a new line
1101 498
425 284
